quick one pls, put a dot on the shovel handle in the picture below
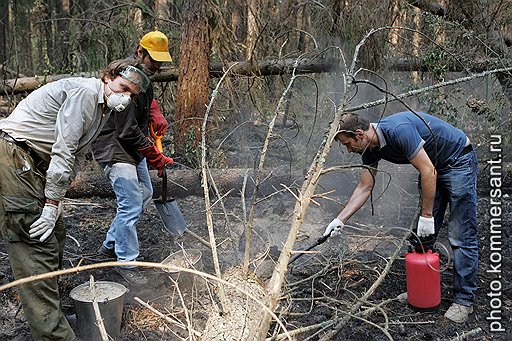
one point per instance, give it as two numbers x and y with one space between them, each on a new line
158 144
158 139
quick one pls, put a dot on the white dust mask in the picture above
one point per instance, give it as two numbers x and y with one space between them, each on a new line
117 101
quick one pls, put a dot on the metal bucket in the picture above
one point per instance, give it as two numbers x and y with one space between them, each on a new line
110 298
188 259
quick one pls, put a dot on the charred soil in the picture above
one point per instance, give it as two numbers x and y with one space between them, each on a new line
320 287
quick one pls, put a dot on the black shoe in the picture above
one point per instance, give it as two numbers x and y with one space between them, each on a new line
132 275
106 253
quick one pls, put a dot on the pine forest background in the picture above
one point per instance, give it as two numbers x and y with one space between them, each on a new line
415 44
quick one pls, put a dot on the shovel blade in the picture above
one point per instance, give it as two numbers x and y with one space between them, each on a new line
171 216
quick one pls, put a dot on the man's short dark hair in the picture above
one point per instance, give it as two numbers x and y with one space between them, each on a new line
350 122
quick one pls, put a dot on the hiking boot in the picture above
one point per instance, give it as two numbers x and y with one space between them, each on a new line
402 298
458 313
106 253
132 275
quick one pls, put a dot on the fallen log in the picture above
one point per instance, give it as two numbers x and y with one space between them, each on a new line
183 183
170 74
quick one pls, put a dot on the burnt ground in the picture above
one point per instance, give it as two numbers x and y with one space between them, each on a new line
320 286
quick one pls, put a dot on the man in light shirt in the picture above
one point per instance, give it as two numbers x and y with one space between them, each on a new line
41 145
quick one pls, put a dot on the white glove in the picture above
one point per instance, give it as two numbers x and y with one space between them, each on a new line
334 227
44 225
425 226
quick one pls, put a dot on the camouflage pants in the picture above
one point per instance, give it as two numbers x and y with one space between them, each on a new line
21 201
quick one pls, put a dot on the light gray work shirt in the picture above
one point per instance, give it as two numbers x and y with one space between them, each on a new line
59 121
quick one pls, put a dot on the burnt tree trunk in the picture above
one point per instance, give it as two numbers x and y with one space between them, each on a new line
193 77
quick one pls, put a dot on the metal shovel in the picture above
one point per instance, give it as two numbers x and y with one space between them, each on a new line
168 209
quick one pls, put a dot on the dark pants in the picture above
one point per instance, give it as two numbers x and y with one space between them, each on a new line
21 201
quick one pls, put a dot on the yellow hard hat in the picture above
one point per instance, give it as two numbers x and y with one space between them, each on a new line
157 45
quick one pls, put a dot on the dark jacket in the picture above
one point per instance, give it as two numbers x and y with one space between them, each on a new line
125 132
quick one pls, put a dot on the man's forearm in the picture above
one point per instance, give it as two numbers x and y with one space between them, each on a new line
428 193
428 181
356 201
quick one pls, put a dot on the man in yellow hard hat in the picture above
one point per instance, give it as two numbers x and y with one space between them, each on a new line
152 51
156 44
124 151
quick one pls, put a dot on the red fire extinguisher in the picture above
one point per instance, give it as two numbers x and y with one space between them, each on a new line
423 279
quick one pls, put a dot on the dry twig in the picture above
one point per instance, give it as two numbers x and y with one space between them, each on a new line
466 335
165 317
204 178
96 307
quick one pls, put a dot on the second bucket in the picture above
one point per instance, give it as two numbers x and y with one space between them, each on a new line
188 259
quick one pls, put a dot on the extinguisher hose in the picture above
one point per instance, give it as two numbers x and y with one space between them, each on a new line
436 244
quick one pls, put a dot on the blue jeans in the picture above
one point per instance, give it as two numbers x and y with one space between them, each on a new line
133 190
456 188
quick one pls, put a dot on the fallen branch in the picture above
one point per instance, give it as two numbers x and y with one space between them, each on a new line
204 182
97 313
349 315
184 183
299 331
466 335
426 89
170 74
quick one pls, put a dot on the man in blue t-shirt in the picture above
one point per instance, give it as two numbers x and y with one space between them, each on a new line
447 166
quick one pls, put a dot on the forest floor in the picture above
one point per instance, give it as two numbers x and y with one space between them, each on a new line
319 287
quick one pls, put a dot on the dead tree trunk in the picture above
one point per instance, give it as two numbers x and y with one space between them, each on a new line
193 80
170 74
182 183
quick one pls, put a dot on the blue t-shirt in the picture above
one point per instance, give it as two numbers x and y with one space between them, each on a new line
402 135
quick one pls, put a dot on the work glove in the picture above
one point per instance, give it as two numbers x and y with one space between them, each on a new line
45 224
157 119
425 226
156 159
334 227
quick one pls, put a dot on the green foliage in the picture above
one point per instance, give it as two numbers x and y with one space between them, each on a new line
49 70
86 38
436 62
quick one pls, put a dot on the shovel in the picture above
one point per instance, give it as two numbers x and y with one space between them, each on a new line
169 211
168 208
